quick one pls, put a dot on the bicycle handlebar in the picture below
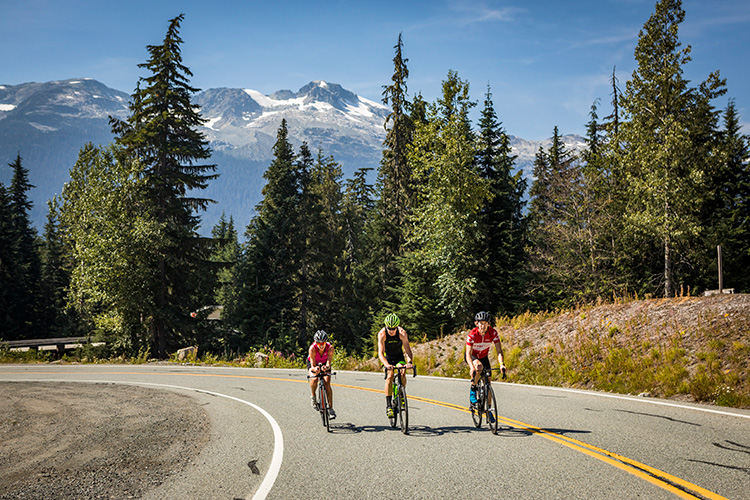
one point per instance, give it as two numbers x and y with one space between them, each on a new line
321 373
399 368
488 372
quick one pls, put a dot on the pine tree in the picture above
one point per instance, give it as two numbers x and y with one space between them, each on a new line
55 278
726 207
395 183
268 312
24 265
558 224
360 270
452 195
667 128
502 219
162 134
7 267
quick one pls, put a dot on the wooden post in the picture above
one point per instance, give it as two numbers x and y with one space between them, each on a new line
721 278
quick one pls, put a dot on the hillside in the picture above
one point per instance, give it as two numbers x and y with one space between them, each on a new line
687 348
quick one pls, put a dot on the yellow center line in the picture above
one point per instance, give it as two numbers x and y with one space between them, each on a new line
673 484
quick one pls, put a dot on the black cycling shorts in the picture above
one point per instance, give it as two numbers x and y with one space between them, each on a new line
394 360
485 362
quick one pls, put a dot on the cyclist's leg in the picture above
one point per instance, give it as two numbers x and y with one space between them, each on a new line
329 390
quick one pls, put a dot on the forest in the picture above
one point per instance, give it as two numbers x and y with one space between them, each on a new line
448 228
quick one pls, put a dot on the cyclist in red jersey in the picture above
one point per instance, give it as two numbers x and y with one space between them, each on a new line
320 352
478 345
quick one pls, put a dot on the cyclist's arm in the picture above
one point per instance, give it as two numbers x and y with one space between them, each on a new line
407 347
500 356
311 357
381 347
330 357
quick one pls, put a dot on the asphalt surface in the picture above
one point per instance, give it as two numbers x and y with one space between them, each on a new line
267 442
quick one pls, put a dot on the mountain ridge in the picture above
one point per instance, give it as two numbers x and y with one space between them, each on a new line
47 124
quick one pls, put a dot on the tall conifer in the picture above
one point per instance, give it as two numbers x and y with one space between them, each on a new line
667 130
161 132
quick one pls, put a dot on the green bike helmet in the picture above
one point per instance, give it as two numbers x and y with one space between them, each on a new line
392 321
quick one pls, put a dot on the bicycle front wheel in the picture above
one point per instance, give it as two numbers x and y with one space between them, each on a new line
403 411
491 409
476 408
324 407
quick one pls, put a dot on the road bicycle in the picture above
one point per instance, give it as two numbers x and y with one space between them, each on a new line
486 403
322 402
399 404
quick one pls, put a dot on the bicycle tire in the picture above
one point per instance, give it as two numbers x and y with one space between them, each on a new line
394 406
324 407
476 408
403 411
491 409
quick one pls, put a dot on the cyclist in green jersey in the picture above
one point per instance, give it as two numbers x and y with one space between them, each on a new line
393 348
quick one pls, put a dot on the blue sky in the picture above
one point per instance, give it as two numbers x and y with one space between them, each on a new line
545 61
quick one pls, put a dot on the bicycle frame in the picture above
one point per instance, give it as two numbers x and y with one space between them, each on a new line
486 402
400 404
323 403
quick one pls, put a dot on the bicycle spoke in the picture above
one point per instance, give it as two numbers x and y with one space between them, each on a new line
492 409
403 413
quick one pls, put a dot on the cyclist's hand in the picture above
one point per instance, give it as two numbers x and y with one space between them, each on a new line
504 370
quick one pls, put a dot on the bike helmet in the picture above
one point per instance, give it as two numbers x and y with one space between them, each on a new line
320 336
392 321
482 316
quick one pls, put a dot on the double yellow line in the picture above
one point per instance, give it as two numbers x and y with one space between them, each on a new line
679 487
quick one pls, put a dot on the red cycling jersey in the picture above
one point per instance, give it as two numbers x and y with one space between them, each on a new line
480 344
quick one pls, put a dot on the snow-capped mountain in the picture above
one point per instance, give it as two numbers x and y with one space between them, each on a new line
243 123
48 123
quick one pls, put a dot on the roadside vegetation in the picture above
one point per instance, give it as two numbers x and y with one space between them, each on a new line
685 348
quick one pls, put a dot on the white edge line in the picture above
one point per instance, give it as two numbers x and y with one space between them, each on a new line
278 447
631 398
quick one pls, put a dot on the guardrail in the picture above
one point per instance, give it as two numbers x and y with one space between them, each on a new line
57 344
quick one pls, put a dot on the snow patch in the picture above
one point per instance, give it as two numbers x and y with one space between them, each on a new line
43 128
360 109
267 102
211 122
372 103
6 107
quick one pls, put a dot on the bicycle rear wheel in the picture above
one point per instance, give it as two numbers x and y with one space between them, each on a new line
476 408
491 409
324 407
403 410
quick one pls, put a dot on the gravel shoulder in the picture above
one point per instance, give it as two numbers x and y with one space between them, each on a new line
89 441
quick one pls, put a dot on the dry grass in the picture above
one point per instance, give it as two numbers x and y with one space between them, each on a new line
687 348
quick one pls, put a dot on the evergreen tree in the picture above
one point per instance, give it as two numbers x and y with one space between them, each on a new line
502 219
267 311
23 264
55 280
726 208
162 134
360 270
7 267
395 183
452 195
667 128
558 225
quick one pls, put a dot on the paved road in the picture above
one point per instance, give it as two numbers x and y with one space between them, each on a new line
267 442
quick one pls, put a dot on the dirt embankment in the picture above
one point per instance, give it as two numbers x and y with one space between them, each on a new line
88 441
711 333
